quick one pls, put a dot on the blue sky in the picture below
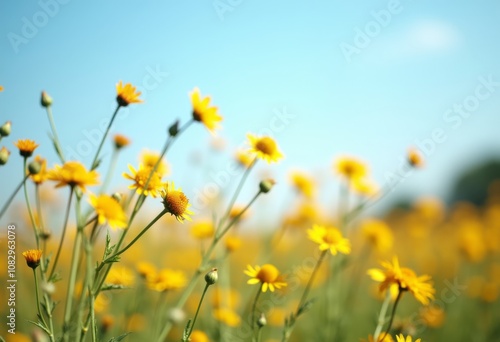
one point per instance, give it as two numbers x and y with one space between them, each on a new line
363 78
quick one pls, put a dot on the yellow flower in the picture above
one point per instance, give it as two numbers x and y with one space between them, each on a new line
203 112
415 158
202 230
243 158
175 202
140 178
264 148
433 316
401 338
229 298
364 186
32 257
303 183
329 238
108 209
232 243
387 338
267 275
26 147
398 279
198 336
378 234
350 168
227 316
126 94
167 279
146 270
101 302
236 210
1 88
73 173
120 141
120 275
149 159
43 175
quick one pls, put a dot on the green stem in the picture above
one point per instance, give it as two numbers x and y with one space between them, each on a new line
11 198
28 204
381 316
393 313
96 157
57 143
38 299
110 172
186 337
254 307
65 226
307 289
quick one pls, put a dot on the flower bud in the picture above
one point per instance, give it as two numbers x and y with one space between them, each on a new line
266 185
4 155
46 100
261 321
5 129
34 167
211 277
174 129
117 197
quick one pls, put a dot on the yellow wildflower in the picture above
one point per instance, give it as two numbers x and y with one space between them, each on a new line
203 112
268 276
264 148
74 174
329 238
126 94
108 209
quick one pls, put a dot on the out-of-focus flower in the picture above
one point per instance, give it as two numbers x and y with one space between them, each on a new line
264 148
175 202
150 158
396 279
350 168
146 270
303 184
5 129
415 157
126 94
401 338
4 155
329 239
267 275
140 178
32 257
43 174
227 316
471 241
74 174
378 234
26 147
198 336
243 158
45 100
101 302
120 141
108 210
202 230
167 280
387 338
203 112
232 243
433 316
228 298
364 186
120 275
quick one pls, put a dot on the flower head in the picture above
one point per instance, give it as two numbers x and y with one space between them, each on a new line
401 338
120 141
175 202
141 177
329 238
243 158
149 159
74 174
120 275
350 168
202 230
203 112
415 158
364 186
43 174
227 316
45 100
108 209
198 336
378 234
264 148
32 257
167 279
398 279
303 184
126 94
267 275
4 155
5 129
387 338
26 147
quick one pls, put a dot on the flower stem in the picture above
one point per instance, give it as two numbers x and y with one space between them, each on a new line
110 172
28 204
57 143
393 313
11 198
95 162
186 337
65 226
310 281
254 307
38 299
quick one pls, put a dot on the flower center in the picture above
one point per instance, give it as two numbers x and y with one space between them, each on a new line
268 274
266 145
176 203
331 236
